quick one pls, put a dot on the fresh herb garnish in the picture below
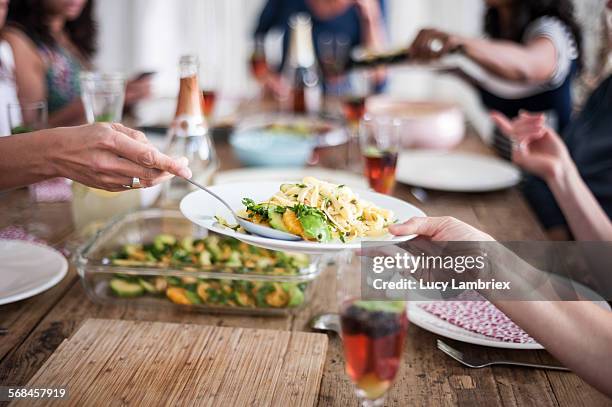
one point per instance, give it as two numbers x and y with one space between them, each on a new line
303 210
259 209
314 221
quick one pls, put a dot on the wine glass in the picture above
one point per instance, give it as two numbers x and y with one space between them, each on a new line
333 50
379 139
373 334
209 81
258 63
352 98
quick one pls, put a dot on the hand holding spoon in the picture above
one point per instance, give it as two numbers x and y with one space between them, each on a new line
249 226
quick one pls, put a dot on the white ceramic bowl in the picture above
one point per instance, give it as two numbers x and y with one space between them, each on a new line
425 124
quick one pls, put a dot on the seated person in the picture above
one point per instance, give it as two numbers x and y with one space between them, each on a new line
588 139
52 42
8 93
360 22
578 333
535 46
107 156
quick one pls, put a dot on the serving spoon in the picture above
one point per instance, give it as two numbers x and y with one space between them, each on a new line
326 323
249 226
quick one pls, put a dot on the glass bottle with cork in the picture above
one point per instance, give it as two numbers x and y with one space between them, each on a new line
188 135
301 71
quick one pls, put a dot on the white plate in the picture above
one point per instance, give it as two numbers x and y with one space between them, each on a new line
280 174
432 323
28 269
200 208
455 172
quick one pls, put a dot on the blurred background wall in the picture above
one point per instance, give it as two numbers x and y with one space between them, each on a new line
150 35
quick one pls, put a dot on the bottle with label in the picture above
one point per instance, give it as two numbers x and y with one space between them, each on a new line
188 135
301 71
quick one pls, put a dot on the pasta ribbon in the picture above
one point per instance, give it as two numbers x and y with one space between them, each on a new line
349 216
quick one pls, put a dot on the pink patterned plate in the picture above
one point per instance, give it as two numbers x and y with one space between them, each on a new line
432 323
479 322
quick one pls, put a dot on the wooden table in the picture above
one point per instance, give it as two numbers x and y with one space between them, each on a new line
38 325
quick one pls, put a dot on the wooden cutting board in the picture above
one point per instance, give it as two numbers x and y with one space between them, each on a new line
112 362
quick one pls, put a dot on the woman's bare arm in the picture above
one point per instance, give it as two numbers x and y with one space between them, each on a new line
372 24
587 219
100 155
577 333
30 75
542 152
528 63
373 31
533 62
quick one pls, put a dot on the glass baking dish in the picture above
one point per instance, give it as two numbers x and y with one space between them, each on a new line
186 268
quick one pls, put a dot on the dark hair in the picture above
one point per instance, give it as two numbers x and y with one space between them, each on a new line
526 11
29 15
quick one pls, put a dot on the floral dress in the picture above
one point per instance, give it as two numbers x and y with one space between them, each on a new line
62 76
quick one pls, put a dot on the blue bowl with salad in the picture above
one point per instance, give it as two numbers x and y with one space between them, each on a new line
269 147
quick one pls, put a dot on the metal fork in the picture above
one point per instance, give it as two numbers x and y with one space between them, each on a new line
476 363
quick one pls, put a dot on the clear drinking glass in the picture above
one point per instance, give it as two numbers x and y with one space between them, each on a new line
27 117
379 139
103 95
24 118
373 334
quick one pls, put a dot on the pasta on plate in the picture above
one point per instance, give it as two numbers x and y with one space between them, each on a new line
320 211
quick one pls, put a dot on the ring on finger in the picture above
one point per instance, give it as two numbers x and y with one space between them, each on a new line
136 183
435 45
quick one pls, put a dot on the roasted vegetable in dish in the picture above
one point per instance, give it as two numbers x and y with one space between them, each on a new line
210 254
